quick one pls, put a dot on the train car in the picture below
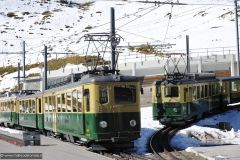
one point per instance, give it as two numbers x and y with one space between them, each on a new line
100 110
106 109
8 111
179 101
30 113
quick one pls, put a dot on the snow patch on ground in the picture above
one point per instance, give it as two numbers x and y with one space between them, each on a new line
148 127
200 135
11 131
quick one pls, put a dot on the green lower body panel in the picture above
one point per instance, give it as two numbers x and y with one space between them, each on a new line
28 120
40 120
5 117
156 110
116 127
14 118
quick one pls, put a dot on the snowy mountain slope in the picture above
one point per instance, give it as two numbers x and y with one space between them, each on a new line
61 26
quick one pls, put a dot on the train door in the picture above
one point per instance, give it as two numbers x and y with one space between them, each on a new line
39 113
86 108
78 109
54 120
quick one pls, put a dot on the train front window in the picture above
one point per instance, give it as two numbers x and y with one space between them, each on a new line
103 95
125 94
171 91
158 91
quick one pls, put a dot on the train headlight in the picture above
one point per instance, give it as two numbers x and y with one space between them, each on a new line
133 123
175 110
103 124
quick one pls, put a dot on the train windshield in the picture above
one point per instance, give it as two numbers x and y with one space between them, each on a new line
171 91
125 94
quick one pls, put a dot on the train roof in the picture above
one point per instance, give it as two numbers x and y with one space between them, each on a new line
96 79
229 78
194 78
188 81
89 78
189 78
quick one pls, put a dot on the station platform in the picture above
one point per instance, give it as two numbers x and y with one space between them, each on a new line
53 149
225 152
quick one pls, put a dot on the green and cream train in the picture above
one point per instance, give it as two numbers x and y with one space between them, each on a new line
177 101
98 110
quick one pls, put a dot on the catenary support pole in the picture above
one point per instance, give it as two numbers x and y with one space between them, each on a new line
45 68
113 43
237 36
24 58
18 77
187 50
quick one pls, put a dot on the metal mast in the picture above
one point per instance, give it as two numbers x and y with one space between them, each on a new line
45 68
112 35
24 57
237 36
188 59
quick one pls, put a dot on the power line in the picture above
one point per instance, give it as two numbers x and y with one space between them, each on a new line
170 17
184 4
137 35
137 18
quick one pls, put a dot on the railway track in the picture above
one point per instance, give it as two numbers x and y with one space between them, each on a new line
128 156
161 146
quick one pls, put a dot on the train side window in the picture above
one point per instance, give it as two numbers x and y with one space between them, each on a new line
198 92
20 107
185 94
86 94
206 90
217 88
210 90
238 85
103 95
50 104
13 108
54 103
213 89
158 91
202 91
74 100
26 107
8 106
194 92
39 105
235 86
79 100
46 104
69 101
23 107
30 106
33 106
63 102
59 105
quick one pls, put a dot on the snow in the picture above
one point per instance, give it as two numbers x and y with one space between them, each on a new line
138 23
8 81
148 127
11 131
199 135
